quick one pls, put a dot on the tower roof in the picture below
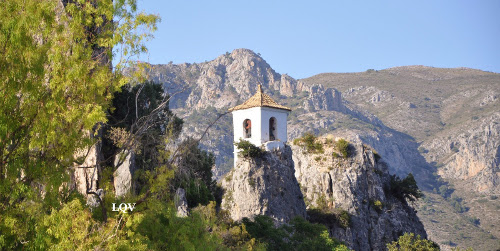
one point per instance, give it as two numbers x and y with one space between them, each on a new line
260 99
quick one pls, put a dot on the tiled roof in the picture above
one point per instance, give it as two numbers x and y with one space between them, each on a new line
260 99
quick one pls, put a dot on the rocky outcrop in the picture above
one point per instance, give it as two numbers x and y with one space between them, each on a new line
356 185
323 99
181 203
85 176
264 186
125 167
224 81
472 156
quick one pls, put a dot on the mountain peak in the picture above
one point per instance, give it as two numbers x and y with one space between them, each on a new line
244 52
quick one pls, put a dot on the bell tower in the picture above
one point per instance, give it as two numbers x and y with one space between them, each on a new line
261 121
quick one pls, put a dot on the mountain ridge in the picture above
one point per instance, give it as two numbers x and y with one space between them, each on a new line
398 111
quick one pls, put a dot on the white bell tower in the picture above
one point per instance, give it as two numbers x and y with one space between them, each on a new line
261 121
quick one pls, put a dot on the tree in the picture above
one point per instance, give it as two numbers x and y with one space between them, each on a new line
140 120
405 189
194 173
409 241
57 83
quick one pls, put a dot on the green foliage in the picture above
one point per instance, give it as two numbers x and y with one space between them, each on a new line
344 218
445 191
308 140
343 147
142 123
377 204
194 173
409 241
322 203
56 87
457 204
474 220
248 150
405 189
299 234
337 216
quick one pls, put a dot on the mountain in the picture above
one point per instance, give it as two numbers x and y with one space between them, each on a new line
440 124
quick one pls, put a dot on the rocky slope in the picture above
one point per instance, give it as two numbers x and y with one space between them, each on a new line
264 186
415 117
357 185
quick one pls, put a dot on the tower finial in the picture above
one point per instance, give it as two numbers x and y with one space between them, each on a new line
259 89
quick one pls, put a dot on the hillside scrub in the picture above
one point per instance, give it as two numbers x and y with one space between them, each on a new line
309 141
404 189
299 234
344 147
409 241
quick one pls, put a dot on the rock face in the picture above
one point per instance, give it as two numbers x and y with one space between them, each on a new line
264 186
125 167
323 99
181 203
473 156
356 185
86 175
224 81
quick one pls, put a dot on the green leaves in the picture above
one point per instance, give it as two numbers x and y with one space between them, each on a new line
57 83
410 241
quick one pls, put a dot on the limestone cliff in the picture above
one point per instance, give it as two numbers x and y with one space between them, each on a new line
357 185
264 186
472 156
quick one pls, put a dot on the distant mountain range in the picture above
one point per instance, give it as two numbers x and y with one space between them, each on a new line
440 124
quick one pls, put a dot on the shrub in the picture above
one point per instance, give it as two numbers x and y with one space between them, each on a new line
321 202
309 141
474 220
248 149
344 218
299 234
409 241
343 147
251 182
335 155
330 218
317 158
377 204
445 191
457 204
406 188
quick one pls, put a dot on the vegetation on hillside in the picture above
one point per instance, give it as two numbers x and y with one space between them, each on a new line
343 147
409 241
404 189
309 141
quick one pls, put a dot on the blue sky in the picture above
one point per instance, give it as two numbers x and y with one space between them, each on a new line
304 38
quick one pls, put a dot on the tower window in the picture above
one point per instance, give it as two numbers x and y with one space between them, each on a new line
272 129
247 128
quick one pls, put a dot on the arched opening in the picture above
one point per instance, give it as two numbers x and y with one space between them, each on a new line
272 129
247 128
